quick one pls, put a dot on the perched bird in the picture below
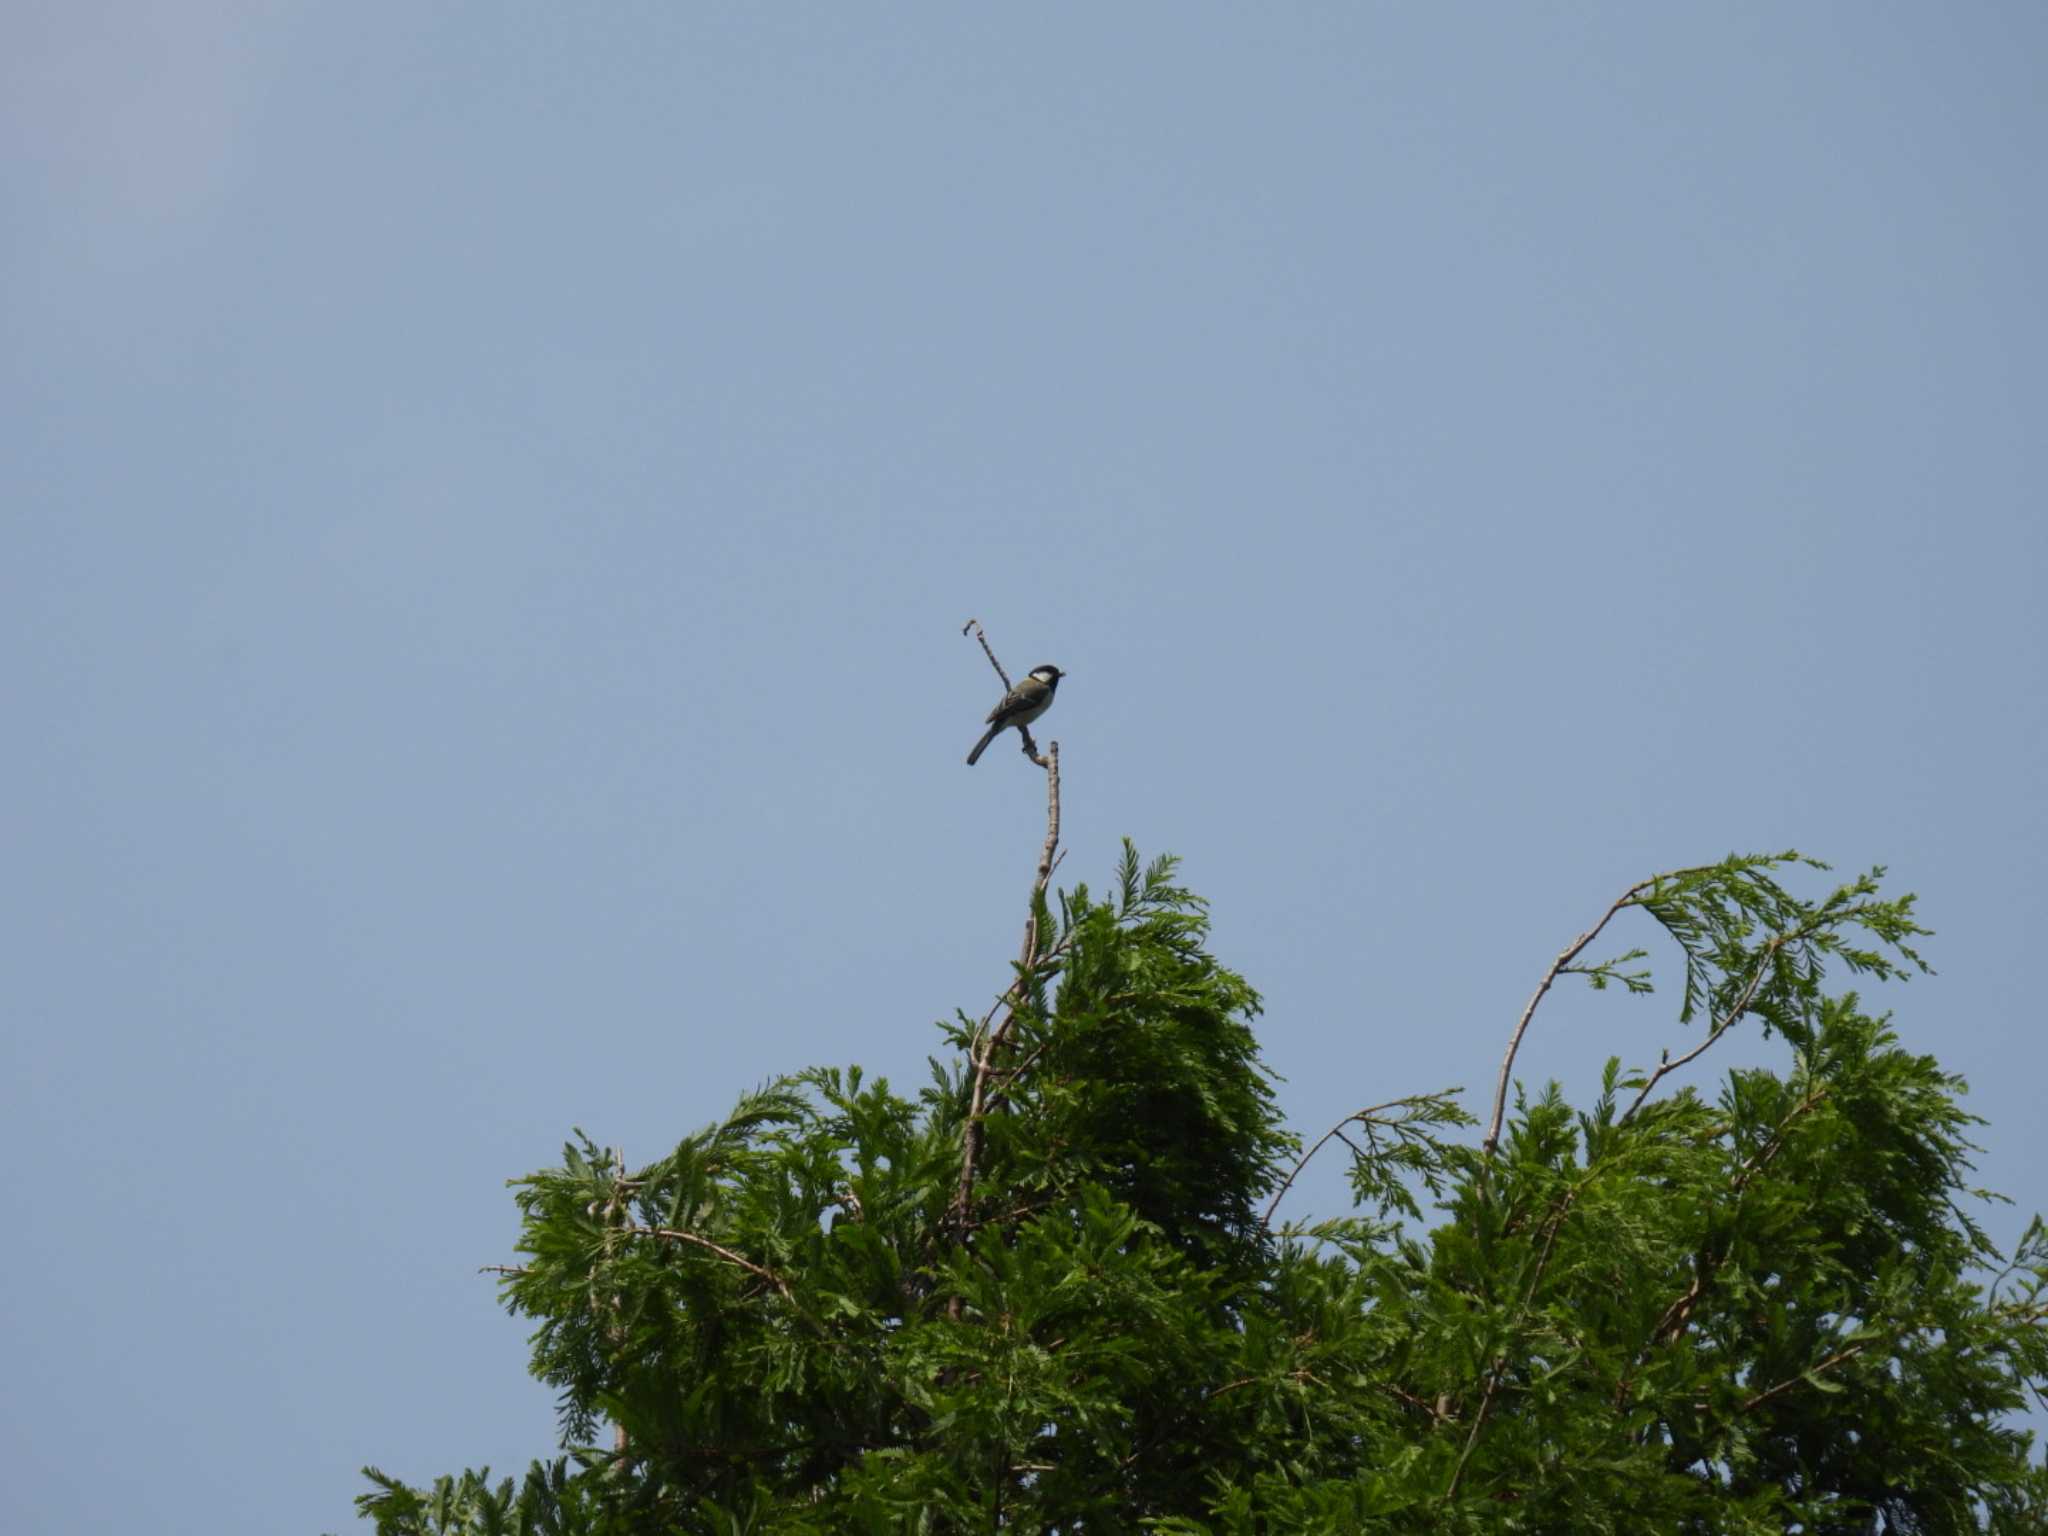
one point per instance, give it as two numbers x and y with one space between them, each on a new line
1021 705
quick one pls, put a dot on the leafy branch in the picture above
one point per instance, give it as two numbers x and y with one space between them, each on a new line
1714 913
1400 1143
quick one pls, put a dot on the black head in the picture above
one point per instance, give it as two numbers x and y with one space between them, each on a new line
1048 674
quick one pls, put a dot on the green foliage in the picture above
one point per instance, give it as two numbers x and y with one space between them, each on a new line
1761 1308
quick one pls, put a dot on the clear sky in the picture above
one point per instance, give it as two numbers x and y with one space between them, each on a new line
491 493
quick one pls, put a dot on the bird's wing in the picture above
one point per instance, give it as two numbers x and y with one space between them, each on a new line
1022 696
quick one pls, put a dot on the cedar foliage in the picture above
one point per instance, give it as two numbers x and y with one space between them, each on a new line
1760 1307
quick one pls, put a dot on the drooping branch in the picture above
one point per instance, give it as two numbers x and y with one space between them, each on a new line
1819 922
1727 900
1558 967
1335 1132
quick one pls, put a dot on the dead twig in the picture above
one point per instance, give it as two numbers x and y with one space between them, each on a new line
1028 960
973 626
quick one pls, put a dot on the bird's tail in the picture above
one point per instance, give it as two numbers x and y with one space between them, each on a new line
982 745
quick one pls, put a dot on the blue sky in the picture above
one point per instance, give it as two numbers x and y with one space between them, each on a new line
491 494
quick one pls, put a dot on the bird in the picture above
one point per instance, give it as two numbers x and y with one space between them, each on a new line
1021 705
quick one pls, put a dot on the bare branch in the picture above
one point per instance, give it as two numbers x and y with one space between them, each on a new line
1558 967
1028 959
1722 1025
973 626
1266 1221
1046 855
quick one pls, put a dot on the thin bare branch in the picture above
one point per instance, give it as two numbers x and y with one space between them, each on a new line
1667 1065
973 627
1266 1221
1767 957
1028 958
1558 966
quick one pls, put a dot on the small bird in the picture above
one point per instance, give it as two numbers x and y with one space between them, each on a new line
1021 705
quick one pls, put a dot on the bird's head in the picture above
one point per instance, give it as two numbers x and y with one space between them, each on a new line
1048 674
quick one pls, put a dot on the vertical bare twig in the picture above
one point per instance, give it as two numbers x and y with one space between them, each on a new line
989 1043
1028 955
992 1043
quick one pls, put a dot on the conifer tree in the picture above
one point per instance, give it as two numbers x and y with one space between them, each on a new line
1050 1290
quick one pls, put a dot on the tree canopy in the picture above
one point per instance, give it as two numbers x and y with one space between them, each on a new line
1051 1290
